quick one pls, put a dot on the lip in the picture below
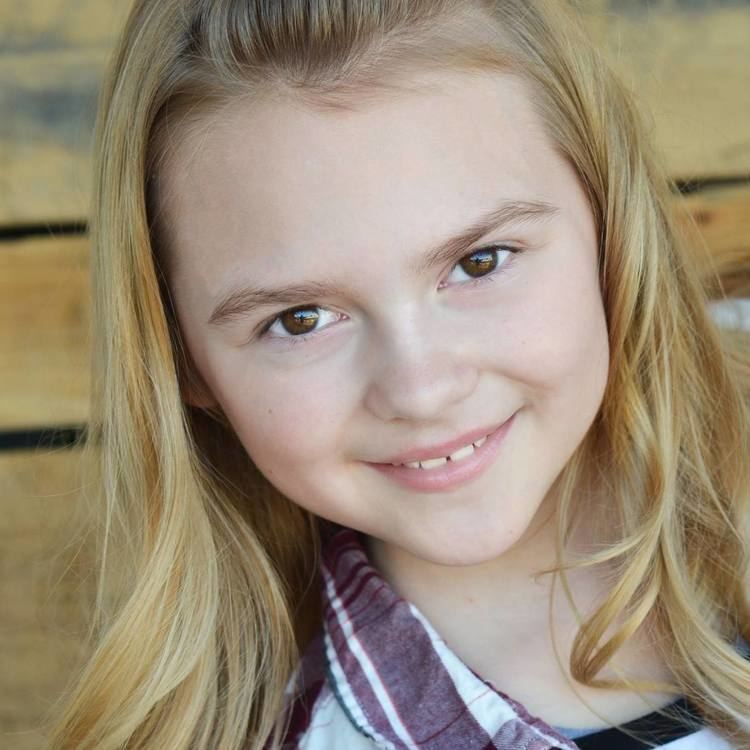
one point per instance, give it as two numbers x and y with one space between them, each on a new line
452 474
443 449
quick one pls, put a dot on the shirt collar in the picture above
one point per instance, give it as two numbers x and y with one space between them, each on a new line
396 678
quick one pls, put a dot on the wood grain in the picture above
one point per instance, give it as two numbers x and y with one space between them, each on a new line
44 332
687 61
52 57
46 586
722 217
688 64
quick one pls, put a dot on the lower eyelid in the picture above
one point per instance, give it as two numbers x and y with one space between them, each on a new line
489 277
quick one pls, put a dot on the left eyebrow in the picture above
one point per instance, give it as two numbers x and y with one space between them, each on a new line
238 303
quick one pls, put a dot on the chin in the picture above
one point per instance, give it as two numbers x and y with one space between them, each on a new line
471 549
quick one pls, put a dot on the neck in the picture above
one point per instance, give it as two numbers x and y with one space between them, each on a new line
501 619
506 592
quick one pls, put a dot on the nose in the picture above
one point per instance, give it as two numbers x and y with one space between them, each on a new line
418 377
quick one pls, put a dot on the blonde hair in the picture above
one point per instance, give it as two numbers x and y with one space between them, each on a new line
207 591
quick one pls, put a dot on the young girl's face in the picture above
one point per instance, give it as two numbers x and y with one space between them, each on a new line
341 332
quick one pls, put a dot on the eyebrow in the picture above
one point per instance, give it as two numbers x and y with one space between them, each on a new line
240 302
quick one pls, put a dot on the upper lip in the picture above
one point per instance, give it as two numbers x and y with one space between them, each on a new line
443 449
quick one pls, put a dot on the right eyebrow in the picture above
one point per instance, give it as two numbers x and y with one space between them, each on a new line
240 302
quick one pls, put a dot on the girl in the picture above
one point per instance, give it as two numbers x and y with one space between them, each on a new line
395 331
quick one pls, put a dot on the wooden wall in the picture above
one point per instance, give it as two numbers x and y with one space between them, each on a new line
687 60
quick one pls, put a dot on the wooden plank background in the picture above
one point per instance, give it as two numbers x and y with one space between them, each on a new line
687 60
52 53
45 587
44 336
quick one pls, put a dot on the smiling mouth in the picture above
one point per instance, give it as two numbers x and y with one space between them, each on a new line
435 463
459 465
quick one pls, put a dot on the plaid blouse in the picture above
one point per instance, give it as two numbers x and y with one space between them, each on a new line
378 676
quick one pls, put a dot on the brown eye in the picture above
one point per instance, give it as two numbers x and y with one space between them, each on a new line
479 263
299 320
484 262
300 323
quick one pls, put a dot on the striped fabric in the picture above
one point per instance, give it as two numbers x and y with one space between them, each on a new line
379 676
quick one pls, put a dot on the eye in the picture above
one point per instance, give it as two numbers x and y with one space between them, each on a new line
480 263
299 321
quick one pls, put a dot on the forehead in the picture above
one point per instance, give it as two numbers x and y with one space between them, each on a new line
279 177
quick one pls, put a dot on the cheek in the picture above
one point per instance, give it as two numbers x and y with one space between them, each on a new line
557 338
287 422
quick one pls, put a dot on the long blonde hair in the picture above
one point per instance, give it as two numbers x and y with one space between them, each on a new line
207 589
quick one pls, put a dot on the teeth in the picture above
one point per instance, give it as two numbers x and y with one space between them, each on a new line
433 463
462 453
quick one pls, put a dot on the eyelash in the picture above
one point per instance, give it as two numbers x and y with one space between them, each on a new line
305 337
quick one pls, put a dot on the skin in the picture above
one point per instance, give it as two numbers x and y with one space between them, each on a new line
279 193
